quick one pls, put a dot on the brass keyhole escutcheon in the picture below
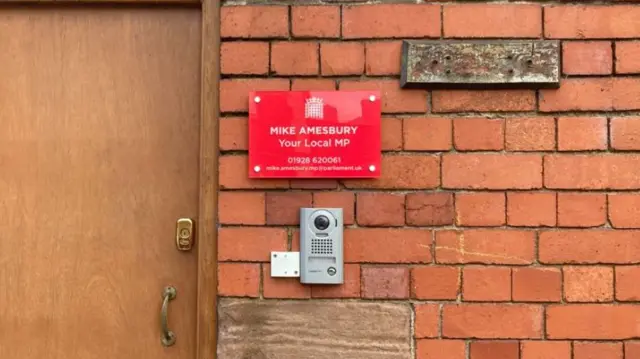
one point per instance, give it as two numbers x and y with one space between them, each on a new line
185 234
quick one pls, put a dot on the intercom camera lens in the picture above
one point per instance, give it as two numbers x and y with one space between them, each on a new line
322 222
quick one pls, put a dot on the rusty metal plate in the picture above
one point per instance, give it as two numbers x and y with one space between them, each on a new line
486 64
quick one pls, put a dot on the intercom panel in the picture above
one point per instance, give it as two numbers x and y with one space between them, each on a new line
321 246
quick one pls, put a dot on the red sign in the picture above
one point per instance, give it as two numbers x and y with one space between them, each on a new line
314 134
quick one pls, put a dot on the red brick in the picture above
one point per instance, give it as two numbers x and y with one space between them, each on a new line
234 93
313 85
531 209
391 129
394 99
588 284
626 93
383 57
254 21
403 172
250 243
349 289
492 321
244 58
492 20
315 21
587 58
294 58
593 321
590 350
390 20
284 208
380 209
537 284
313 183
341 58
480 209
481 283
387 245
483 100
234 133
238 280
545 350
427 320
427 134
582 94
582 133
233 175
491 171
624 210
344 200
429 209
478 134
282 287
594 246
632 350
627 288
435 283
241 208
440 348
530 134
628 57
611 171
591 22
582 209
488 246
385 282
625 133
486 349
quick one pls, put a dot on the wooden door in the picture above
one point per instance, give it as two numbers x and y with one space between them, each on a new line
99 148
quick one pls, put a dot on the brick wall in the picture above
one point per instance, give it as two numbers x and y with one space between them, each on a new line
504 219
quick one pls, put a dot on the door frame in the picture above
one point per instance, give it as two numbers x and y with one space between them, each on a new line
206 224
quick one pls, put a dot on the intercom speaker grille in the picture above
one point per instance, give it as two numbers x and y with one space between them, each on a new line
321 246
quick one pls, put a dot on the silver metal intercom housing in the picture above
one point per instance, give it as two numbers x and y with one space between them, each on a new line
321 246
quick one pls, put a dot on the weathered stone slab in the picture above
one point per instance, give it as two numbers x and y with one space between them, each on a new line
266 329
481 64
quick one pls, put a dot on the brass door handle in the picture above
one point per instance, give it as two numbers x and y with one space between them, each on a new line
168 337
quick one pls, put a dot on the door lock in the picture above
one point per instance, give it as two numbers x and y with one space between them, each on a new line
185 234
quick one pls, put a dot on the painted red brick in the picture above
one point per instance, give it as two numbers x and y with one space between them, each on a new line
483 100
582 133
581 209
429 209
611 171
486 349
284 207
531 209
238 280
482 209
492 321
427 320
394 99
592 321
387 245
628 57
591 22
282 287
385 282
591 350
251 244
391 129
341 58
383 57
545 350
588 284
390 21
439 348
627 288
380 209
435 282
537 284
234 175
478 134
344 200
241 208
624 210
427 134
625 133
492 20
294 58
491 171
530 134
587 57
482 283
315 21
234 93
593 246
254 21
313 84
244 58
488 246
403 172
350 288
234 133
